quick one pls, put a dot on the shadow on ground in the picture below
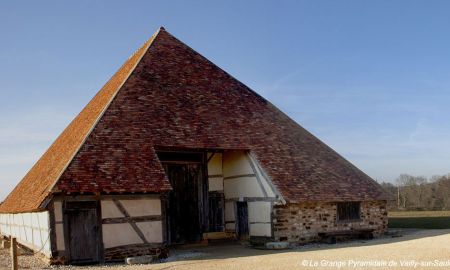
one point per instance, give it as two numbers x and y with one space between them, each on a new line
236 250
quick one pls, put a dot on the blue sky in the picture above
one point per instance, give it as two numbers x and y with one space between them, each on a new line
370 78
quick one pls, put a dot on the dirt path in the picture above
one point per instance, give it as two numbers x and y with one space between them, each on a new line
419 246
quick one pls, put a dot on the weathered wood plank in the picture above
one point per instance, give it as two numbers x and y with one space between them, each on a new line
258 179
252 199
14 261
239 176
131 219
215 176
81 227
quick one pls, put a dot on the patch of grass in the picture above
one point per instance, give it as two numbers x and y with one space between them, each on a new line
419 214
420 219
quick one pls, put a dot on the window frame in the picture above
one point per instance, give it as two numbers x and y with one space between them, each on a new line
351 206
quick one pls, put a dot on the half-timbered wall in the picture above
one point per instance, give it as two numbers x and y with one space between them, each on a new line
245 180
129 223
31 230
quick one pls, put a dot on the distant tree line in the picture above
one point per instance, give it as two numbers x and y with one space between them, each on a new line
419 193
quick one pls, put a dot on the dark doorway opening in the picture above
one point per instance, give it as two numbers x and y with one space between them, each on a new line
82 232
216 211
242 220
187 205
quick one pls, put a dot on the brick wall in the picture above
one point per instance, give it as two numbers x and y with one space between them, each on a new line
300 223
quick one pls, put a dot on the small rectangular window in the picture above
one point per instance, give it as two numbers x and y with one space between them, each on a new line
348 211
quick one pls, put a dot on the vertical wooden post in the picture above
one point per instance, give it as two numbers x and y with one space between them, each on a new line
14 264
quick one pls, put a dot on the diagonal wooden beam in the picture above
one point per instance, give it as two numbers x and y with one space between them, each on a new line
250 161
130 220
210 157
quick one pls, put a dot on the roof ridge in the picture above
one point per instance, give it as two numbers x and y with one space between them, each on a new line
153 36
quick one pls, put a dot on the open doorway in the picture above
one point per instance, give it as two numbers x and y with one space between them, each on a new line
187 205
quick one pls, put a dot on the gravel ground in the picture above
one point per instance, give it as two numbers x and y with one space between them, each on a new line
27 260
415 247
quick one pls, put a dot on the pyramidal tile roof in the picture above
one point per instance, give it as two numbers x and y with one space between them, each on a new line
167 95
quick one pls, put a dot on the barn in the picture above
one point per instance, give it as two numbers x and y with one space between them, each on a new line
173 150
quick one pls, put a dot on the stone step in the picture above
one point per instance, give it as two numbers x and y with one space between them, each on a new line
277 245
146 259
218 235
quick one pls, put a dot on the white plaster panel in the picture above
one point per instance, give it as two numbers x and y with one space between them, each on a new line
58 211
27 219
260 229
230 227
229 211
242 187
59 231
152 231
215 184
235 163
34 235
142 207
44 220
259 211
30 229
115 235
215 165
27 234
110 210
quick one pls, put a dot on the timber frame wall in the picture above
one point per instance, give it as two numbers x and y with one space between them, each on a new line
128 224
135 224
239 176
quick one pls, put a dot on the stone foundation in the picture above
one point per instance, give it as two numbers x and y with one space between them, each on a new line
301 223
122 252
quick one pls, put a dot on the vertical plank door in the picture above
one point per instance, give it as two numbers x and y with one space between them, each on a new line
242 220
81 218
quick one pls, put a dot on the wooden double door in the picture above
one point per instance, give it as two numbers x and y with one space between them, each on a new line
187 202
